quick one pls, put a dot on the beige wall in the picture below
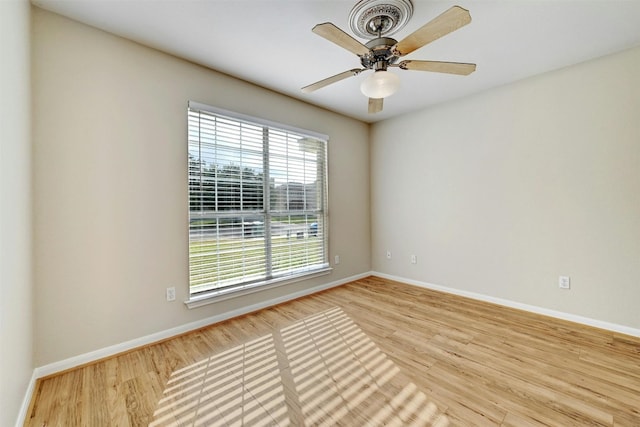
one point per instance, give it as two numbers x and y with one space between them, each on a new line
110 186
16 362
500 193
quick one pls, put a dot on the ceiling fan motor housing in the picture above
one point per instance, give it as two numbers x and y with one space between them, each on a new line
380 54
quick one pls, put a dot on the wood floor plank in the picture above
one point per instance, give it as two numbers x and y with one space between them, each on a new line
371 352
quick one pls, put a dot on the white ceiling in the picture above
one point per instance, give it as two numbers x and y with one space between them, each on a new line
270 43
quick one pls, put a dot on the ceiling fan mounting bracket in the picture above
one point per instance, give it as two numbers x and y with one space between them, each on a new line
379 17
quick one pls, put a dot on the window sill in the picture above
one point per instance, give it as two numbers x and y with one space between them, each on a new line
225 294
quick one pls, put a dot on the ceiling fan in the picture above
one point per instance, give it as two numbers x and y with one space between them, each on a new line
379 18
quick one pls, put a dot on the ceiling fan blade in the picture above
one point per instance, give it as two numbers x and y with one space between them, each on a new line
460 68
440 26
375 105
329 80
339 37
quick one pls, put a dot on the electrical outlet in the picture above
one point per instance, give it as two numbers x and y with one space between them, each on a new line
336 259
414 259
564 282
171 294
388 254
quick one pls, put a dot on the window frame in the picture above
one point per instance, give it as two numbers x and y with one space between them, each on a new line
204 297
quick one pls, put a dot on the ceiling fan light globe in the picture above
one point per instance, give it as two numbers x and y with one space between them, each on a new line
380 84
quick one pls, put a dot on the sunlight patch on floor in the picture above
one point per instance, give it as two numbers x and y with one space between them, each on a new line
322 370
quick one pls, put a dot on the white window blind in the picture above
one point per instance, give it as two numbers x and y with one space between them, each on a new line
257 202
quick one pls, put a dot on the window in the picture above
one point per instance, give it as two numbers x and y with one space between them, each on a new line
257 203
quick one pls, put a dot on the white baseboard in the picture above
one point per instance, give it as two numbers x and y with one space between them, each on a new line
72 362
622 329
26 401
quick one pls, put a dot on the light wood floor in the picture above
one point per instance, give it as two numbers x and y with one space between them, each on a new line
372 352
